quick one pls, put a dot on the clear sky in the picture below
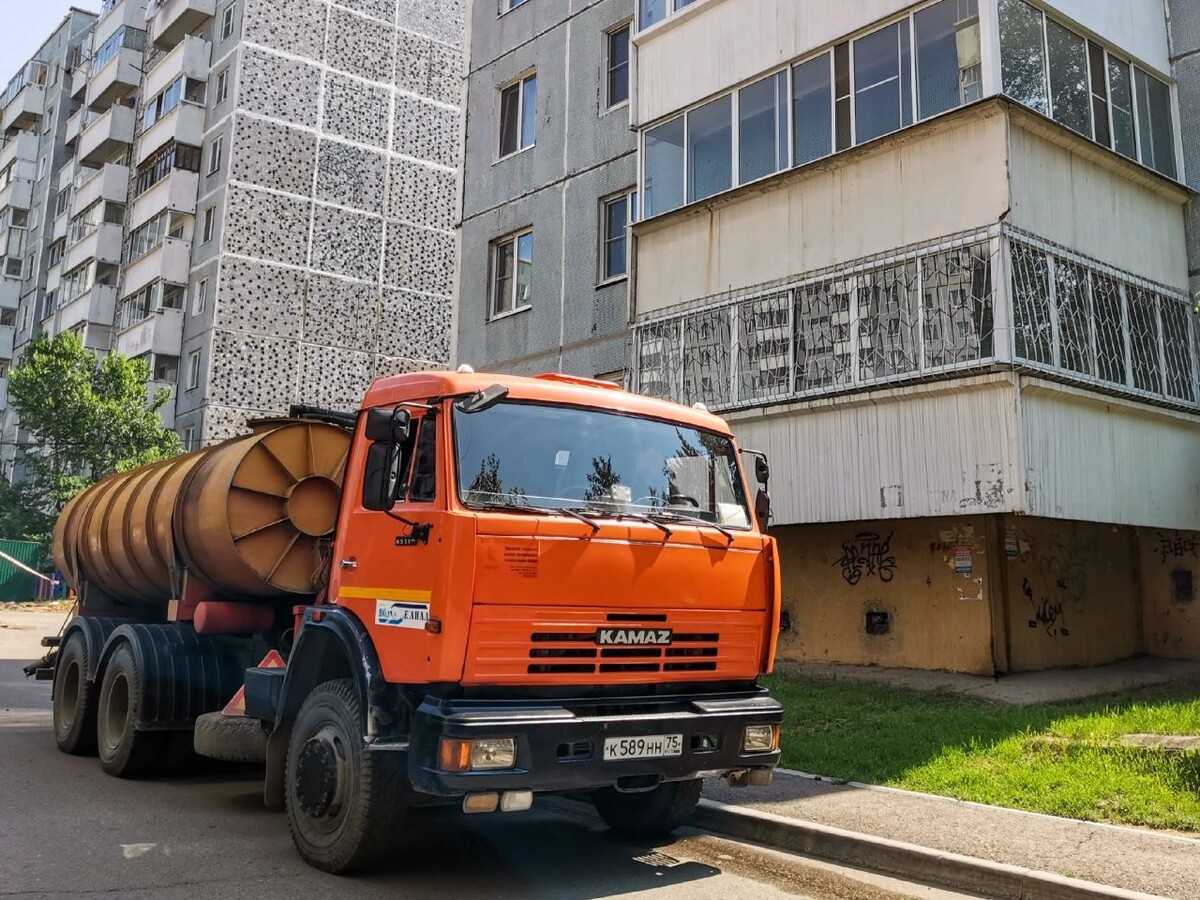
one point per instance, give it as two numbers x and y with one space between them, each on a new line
25 24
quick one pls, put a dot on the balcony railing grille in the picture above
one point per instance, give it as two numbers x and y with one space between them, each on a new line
974 301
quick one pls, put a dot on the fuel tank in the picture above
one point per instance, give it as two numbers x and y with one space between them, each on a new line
245 516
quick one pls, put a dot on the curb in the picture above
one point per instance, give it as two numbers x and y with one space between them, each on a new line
945 870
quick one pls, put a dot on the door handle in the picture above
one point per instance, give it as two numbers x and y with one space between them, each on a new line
351 563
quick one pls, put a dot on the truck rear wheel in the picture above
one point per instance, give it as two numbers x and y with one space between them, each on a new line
74 699
649 813
124 751
344 803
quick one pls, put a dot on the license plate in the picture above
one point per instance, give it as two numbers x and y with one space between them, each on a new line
653 746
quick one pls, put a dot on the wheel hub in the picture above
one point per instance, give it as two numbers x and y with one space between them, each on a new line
319 774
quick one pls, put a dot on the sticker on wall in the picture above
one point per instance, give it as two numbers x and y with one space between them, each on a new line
962 559
1012 544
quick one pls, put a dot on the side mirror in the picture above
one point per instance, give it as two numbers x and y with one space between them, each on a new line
481 400
762 470
762 510
391 425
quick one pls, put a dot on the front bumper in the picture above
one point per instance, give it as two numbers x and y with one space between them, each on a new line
560 745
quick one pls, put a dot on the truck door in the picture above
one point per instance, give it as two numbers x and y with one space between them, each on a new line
390 573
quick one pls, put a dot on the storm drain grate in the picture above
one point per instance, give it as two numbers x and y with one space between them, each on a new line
659 860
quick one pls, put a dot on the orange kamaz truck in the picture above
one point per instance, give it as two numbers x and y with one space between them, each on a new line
474 590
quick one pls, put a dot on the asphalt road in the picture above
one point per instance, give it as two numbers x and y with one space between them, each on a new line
68 830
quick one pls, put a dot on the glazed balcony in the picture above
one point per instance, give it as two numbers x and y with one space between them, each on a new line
176 192
7 336
110 182
10 291
169 261
18 193
189 58
156 331
23 146
177 18
103 243
25 110
95 305
106 136
118 76
184 124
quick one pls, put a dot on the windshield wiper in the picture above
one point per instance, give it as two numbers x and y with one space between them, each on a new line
691 520
637 517
509 506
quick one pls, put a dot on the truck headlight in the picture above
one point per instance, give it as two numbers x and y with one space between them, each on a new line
458 755
760 739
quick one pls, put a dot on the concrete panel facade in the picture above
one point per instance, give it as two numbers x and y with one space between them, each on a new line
583 152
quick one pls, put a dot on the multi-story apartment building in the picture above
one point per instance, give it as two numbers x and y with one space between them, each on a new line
548 188
257 196
35 119
932 258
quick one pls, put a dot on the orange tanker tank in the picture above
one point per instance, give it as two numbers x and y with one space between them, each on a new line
245 517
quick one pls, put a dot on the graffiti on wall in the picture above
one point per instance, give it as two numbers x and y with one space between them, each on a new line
1177 546
867 553
1062 571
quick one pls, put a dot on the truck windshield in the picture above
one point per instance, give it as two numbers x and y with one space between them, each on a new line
554 457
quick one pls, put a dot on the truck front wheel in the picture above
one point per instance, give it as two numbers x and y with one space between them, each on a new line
344 803
74 699
648 813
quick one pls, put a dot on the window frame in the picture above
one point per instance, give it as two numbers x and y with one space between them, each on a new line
507 6
193 369
215 149
227 22
200 297
609 34
208 226
513 238
222 92
630 197
188 436
519 84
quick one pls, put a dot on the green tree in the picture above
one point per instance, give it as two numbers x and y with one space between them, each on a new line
88 417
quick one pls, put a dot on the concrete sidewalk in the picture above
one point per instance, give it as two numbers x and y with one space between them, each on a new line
1001 843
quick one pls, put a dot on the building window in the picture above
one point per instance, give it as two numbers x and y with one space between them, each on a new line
209 219
507 5
227 22
518 115
56 252
763 128
921 65
1085 87
652 11
662 181
62 201
214 156
1156 131
882 85
948 51
616 215
617 66
710 148
222 86
200 298
512 273
189 438
166 367
193 374
8 317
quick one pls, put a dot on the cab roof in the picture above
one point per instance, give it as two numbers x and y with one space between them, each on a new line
567 390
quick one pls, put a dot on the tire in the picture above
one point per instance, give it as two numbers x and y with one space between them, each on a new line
75 699
124 751
649 814
230 738
344 804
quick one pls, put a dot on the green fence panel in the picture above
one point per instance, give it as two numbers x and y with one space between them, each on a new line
15 583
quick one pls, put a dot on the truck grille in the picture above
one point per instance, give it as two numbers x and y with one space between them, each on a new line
563 643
